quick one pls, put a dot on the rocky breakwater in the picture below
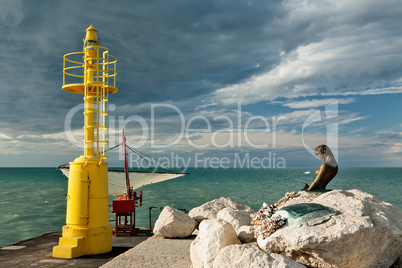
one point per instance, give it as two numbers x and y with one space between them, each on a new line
336 229
317 229
223 226
226 238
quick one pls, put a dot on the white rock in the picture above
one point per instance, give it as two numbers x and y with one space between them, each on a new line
174 223
366 233
236 218
213 236
246 234
250 257
211 208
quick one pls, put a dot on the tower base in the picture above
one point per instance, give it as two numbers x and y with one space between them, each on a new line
87 230
77 242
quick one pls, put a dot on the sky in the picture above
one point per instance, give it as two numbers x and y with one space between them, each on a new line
209 83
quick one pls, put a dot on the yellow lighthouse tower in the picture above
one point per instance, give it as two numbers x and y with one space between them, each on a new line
87 230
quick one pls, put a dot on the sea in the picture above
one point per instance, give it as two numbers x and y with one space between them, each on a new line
32 200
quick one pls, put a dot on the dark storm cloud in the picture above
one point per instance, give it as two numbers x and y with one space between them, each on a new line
167 50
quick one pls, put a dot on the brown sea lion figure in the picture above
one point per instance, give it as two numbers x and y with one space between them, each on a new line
327 170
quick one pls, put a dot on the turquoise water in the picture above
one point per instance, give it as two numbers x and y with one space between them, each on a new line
32 199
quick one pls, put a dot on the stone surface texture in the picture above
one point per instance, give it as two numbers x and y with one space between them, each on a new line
246 234
251 257
173 223
213 235
210 209
236 218
367 232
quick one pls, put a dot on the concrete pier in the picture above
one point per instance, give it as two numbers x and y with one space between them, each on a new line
141 251
37 252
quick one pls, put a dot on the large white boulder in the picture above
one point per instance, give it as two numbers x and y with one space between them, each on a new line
366 232
211 208
174 223
250 257
213 235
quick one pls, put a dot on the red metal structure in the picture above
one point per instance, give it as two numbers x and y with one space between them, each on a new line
124 206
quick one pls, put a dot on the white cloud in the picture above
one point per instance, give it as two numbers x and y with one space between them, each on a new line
4 137
373 91
395 148
350 118
333 66
314 103
346 49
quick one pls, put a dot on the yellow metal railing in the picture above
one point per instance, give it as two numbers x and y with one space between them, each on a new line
97 76
108 67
